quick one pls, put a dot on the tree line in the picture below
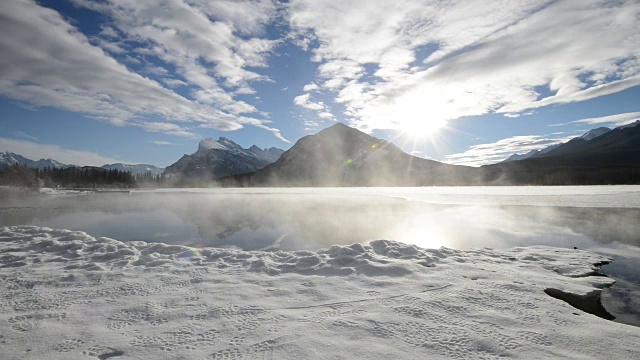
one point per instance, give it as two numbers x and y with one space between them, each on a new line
71 177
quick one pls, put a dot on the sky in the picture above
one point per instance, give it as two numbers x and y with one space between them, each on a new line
464 82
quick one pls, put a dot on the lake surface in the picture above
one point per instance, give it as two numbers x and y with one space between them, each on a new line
604 219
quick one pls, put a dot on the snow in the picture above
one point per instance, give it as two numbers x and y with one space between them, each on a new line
10 159
68 295
592 134
52 191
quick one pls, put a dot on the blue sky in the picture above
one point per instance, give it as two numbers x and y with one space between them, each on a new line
464 82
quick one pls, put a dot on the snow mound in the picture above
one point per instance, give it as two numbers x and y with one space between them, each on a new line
84 297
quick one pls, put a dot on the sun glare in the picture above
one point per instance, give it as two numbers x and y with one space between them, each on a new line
415 117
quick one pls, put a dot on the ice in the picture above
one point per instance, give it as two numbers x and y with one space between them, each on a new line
65 295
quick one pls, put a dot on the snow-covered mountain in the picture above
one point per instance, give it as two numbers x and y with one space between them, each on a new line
592 134
135 169
222 157
9 159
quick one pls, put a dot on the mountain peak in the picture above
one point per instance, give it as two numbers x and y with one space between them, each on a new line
209 143
344 156
594 133
518 157
222 157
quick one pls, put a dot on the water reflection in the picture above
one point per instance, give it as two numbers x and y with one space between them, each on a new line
311 222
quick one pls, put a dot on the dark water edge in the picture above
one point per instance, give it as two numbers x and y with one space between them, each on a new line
622 299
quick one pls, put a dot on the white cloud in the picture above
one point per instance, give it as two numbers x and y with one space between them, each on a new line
46 61
489 56
483 154
615 120
611 120
36 151
160 142
167 128
321 109
275 132
305 102
190 34
173 83
310 87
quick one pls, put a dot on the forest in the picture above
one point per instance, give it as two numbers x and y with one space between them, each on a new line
71 177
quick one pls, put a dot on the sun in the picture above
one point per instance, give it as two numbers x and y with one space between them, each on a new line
417 117
422 129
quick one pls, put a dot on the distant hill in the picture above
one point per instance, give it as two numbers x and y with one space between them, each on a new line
218 158
344 156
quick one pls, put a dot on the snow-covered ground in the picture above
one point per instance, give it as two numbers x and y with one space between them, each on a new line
67 295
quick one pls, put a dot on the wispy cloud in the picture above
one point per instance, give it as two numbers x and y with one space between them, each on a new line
167 128
612 120
483 154
61 67
393 64
24 135
321 110
160 142
305 102
37 151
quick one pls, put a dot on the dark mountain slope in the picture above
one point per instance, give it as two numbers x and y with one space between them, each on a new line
344 156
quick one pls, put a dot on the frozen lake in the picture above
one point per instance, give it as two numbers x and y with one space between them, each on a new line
605 219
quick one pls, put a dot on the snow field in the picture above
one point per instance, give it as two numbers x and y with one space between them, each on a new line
67 295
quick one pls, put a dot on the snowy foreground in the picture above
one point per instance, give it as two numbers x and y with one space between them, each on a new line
67 295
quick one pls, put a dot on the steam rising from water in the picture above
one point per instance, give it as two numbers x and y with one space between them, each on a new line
269 221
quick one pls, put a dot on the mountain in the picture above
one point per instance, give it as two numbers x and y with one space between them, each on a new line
135 169
344 156
592 134
518 157
218 158
589 135
633 124
620 146
611 158
531 154
9 159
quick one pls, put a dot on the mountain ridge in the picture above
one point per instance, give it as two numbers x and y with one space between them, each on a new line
8 158
218 158
343 156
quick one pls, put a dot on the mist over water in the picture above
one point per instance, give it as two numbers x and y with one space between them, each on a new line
269 220
286 219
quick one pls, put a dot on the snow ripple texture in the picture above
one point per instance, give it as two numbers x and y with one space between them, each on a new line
67 295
